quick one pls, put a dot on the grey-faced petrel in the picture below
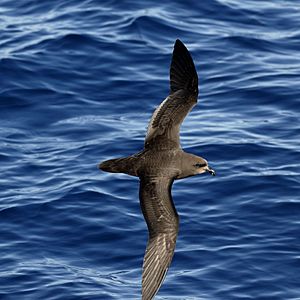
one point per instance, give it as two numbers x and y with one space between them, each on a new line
160 163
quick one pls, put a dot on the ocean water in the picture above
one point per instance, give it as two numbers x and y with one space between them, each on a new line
79 82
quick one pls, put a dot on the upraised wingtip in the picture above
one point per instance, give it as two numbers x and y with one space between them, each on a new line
183 73
178 42
179 46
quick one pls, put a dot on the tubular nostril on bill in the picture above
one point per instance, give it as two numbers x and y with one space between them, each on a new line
211 171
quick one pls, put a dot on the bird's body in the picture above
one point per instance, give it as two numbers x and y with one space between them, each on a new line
160 163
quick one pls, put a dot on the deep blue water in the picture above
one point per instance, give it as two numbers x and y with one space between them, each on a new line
79 82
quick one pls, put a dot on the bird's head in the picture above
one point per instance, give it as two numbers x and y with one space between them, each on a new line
194 165
201 166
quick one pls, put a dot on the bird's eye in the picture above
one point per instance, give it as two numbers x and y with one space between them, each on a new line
200 165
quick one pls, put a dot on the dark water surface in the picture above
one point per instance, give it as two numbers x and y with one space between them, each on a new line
79 82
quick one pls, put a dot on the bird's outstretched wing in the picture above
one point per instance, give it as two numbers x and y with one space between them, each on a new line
162 221
164 126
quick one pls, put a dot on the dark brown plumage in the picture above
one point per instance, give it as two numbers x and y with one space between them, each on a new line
160 163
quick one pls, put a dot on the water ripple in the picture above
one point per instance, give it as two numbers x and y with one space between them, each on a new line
79 83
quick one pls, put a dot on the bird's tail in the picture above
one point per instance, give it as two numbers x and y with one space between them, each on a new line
125 165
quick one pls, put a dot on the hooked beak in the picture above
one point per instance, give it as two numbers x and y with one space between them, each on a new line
210 171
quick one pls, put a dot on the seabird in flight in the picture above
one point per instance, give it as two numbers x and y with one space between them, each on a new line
160 163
